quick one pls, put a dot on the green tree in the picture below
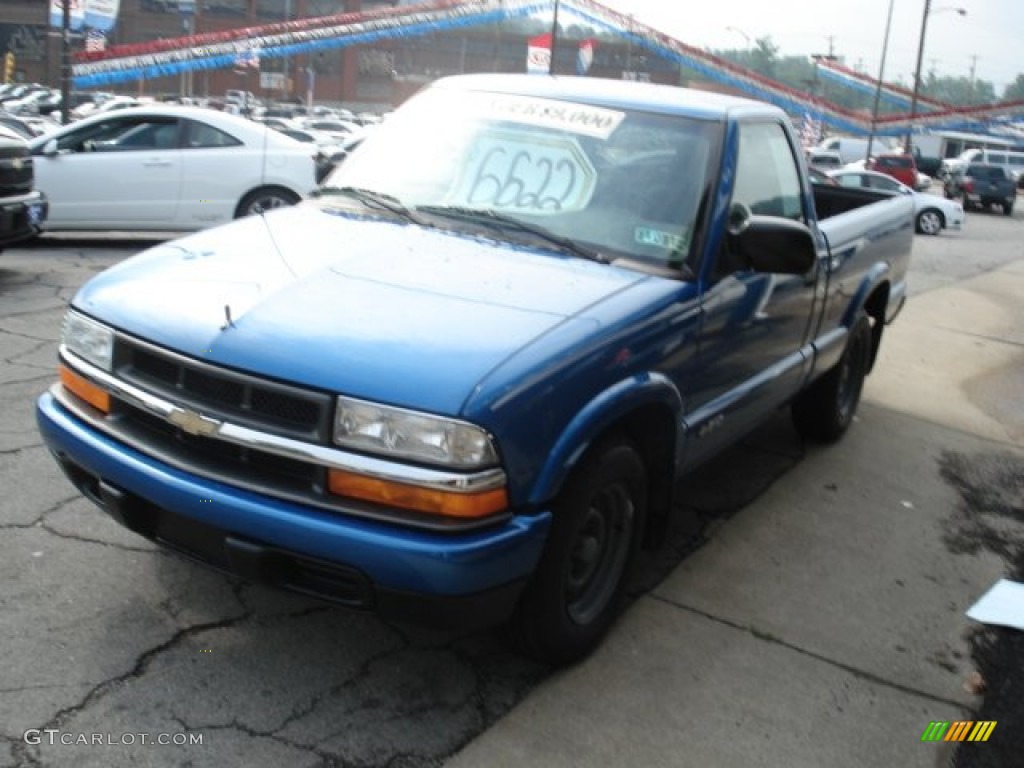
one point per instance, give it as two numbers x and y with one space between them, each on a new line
959 91
1015 90
765 56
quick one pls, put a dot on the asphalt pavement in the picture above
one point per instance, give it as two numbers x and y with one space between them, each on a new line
817 620
824 625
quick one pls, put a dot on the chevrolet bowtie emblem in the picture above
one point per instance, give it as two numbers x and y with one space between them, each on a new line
194 423
17 163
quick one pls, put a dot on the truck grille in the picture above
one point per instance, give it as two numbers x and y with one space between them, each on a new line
229 395
15 171
247 467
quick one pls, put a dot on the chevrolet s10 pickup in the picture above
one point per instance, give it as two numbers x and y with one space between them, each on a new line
460 384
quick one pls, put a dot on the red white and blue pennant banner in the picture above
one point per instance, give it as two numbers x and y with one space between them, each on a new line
221 50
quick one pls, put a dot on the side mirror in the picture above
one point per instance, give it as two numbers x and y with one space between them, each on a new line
771 244
50 148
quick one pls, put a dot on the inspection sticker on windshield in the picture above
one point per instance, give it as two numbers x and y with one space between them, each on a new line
524 172
583 119
660 239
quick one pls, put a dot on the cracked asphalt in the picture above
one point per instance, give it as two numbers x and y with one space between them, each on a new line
105 634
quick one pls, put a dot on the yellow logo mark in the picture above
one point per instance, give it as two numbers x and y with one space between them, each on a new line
194 423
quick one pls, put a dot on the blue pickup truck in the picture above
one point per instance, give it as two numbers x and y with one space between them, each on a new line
460 383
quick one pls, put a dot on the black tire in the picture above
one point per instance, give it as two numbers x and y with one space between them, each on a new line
1008 209
825 410
577 589
264 199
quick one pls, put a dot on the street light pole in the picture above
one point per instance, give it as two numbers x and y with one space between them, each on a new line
908 145
554 41
65 63
881 77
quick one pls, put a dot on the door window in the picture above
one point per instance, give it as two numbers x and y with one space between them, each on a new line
201 136
123 133
766 172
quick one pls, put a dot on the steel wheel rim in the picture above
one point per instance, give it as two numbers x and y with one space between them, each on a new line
598 553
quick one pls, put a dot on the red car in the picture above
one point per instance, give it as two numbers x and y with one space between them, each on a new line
900 166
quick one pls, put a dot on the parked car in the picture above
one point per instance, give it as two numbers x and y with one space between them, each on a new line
337 128
850 148
460 384
923 182
899 165
23 208
1012 161
167 167
932 213
18 125
818 176
983 184
958 164
329 151
825 159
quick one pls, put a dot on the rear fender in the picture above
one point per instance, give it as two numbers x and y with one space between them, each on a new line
873 279
829 346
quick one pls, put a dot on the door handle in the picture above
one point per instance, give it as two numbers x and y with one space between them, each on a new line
156 164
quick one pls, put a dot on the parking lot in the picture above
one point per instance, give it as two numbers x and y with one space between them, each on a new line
110 639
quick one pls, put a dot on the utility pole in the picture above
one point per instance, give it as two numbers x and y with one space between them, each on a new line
878 85
970 80
554 41
65 62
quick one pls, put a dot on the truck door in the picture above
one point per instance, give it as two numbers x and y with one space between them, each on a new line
754 325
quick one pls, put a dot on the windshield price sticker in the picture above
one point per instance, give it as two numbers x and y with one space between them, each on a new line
513 171
582 119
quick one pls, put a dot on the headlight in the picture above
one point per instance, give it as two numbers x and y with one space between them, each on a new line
398 433
88 339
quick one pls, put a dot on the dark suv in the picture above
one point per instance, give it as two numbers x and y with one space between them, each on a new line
22 209
983 184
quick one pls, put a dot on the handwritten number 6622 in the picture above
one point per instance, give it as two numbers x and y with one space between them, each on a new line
527 182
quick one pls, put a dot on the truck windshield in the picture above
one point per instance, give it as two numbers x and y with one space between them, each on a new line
617 183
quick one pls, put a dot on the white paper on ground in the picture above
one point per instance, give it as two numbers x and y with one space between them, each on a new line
1003 604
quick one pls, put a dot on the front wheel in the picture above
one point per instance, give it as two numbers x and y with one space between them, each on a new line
264 199
825 410
577 589
1008 209
929 222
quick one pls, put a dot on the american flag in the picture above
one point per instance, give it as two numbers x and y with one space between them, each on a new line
810 130
585 56
95 41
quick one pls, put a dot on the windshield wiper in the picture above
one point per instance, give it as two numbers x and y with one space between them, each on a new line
499 221
380 201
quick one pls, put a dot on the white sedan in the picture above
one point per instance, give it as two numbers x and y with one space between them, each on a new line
166 168
932 213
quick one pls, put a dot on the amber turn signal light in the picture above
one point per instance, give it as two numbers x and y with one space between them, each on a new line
412 497
84 389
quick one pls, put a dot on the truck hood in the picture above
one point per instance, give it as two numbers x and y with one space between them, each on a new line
370 307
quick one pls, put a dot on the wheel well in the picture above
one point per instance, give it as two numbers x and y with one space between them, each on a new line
875 307
263 189
652 430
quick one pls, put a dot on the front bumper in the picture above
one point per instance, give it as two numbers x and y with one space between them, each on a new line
22 217
455 580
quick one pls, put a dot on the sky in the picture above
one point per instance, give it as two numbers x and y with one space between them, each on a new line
988 38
